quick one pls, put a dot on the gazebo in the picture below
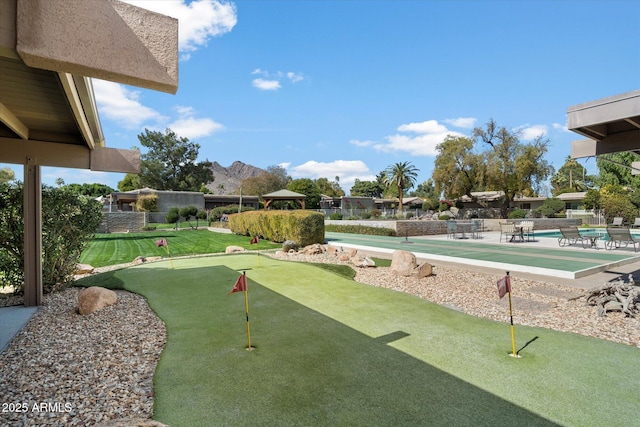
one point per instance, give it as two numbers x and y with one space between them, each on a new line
283 195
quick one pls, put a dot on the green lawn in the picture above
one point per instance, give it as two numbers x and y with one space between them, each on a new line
120 248
331 351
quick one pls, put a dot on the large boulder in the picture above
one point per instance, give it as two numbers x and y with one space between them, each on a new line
363 261
95 298
234 249
290 245
403 263
423 270
314 249
83 269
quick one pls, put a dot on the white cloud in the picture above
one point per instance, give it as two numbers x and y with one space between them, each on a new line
429 126
431 133
561 127
273 80
190 127
285 165
116 102
199 20
359 143
347 170
263 84
529 133
462 122
295 77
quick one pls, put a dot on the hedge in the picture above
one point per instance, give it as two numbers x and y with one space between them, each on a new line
304 227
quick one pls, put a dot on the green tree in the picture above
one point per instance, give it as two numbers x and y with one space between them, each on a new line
512 166
551 207
616 169
427 191
617 200
457 169
592 199
367 188
6 175
329 188
307 187
273 179
402 176
131 181
170 162
69 221
89 190
571 177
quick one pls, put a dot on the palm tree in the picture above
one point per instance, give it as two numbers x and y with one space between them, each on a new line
401 175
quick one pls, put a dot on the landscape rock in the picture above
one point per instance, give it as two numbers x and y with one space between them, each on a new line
403 263
314 249
83 269
363 261
423 270
234 249
352 252
290 244
139 260
95 298
332 250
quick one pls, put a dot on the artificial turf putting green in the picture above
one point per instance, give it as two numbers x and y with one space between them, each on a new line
330 351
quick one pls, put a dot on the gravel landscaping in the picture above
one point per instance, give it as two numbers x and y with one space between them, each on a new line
95 368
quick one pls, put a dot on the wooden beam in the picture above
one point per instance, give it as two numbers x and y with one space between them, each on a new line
69 155
14 123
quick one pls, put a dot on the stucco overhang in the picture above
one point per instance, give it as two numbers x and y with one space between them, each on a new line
612 125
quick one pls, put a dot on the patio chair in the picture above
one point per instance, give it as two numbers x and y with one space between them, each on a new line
619 236
636 224
507 229
527 230
452 230
476 228
571 236
617 222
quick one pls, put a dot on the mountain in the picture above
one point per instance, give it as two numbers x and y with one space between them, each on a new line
227 180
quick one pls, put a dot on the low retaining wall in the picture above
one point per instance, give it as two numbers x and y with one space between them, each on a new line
122 222
428 227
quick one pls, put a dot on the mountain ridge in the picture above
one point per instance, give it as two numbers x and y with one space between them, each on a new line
227 180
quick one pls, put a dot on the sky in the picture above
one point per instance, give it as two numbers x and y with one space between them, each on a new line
347 88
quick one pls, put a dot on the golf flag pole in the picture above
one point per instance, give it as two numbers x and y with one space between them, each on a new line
513 334
504 287
241 286
163 242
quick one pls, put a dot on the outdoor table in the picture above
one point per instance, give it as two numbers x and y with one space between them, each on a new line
593 237
465 226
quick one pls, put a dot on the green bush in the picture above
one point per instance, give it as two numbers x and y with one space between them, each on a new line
409 215
147 203
551 207
69 221
517 214
335 216
366 215
217 213
360 229
376 213
444 217
305 227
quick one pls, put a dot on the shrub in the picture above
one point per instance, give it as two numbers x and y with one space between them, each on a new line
444 217
409 215
376 213
360 229
335 216
551 207
68 224
366 215
305 227
517 214
172 216
217 213
147 203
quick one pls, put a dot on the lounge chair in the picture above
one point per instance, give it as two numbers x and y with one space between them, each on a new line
619 236
636 224
476 228
571 236
527 230
617 222
507 229
452 230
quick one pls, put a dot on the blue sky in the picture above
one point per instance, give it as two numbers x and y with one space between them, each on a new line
347 88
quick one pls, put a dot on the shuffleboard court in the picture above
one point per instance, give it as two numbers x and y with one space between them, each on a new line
534 257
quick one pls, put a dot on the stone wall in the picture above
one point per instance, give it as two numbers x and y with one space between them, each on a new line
122 222
427 227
